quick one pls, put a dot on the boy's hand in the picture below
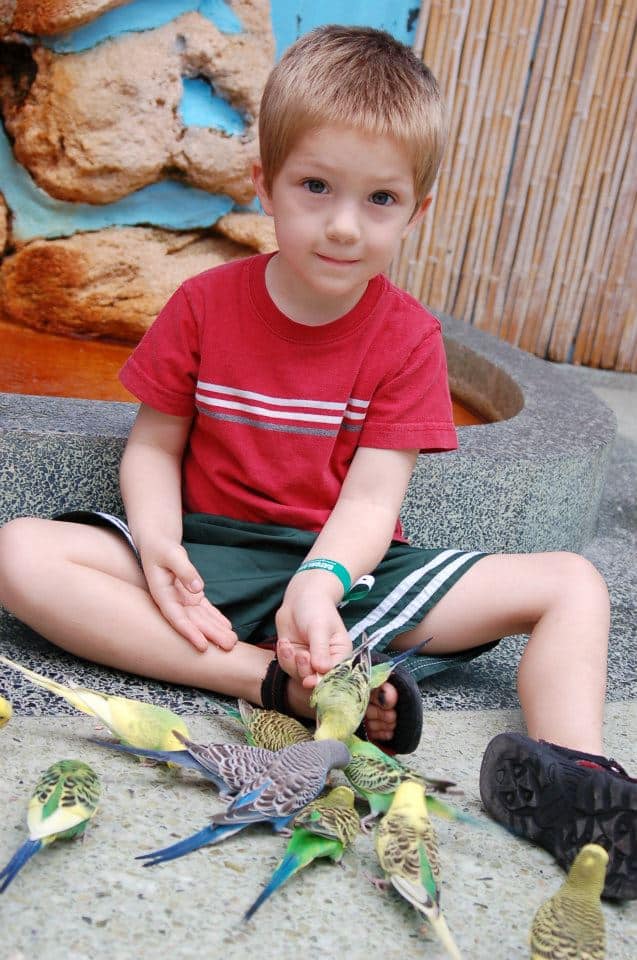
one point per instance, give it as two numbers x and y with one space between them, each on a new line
311 635
177 589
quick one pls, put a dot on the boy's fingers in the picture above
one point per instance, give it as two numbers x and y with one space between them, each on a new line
184 571
319 644
187 597
303 664
285 654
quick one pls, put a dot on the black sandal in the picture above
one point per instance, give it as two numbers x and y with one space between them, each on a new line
409 718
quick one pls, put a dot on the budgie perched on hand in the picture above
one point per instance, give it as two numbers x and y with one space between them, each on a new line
293 779
407 851
570 924
269 728
376 776
6 711
130 721
228 765
342 694
64 800
323 829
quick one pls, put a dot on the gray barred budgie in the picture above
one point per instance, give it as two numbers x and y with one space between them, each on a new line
296 776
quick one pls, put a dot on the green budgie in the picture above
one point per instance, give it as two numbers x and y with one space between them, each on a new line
376 776
570 925
407 851
6 711
323 829
132 722
341 696
269 728
64 800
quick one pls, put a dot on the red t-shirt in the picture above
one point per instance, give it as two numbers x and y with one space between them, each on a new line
279 407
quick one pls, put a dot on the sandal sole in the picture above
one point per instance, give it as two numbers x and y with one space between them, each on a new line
524 786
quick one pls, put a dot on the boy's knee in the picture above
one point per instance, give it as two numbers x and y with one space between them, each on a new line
577 576
18 545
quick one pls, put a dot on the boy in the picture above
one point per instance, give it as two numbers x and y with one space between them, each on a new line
285 399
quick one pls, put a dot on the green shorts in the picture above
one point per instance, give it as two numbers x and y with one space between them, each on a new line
246 568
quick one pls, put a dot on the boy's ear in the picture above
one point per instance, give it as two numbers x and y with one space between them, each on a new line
418 214
259 185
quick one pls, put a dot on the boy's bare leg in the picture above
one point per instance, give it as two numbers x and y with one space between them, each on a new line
561 601
81 588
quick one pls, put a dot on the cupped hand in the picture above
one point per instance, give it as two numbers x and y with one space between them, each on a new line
177 589
312 637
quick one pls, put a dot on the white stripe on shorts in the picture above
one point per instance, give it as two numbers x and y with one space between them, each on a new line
121 525
452 560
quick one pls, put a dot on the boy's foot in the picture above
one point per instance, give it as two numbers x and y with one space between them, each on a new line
394 716
562 799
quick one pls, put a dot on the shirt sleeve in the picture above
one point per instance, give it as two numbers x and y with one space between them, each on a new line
411 408
162 370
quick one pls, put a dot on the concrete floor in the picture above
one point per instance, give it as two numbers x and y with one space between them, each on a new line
91 899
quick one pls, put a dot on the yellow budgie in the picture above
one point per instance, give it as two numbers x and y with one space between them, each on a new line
570 924
407 850
6 711
132 722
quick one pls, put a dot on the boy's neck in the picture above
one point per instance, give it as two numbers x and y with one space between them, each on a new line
300 304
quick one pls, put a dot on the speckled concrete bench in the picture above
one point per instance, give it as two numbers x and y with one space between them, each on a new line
530 481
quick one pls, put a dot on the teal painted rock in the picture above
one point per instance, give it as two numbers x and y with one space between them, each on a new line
98 125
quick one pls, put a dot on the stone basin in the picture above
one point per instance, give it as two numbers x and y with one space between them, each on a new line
530 480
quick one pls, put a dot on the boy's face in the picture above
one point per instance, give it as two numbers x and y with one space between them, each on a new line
341 203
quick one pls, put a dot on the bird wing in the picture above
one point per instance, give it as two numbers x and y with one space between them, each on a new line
65 796
236 764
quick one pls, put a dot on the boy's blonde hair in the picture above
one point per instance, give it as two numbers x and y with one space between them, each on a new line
358 77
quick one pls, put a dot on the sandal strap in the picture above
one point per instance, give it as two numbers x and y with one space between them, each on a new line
409 712
274 688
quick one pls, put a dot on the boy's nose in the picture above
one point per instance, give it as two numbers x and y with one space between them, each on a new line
342 225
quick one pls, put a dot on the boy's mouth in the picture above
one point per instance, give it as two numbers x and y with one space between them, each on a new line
336 261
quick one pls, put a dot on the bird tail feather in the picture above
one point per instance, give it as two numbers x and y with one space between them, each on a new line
209 835
17 861
443 933
289 865
51 685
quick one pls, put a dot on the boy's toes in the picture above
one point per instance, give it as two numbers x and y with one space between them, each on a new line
384 696
380 718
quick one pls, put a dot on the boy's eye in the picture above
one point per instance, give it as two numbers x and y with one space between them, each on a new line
315 186
381 198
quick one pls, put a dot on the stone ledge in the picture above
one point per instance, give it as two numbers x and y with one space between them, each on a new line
530 481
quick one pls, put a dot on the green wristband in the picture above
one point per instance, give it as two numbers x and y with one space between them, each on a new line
321 563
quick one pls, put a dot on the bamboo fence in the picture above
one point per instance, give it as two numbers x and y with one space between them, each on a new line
532 232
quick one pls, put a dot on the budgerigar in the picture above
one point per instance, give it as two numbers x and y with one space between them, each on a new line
64 800
342 694
295 777
271 729
6 711
381 672
570 924
228 765
130 721
376 776
407 851
323 829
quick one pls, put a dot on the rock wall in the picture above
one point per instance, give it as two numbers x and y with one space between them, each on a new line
103 123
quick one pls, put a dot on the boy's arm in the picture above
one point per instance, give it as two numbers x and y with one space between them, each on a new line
150 479
312 636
